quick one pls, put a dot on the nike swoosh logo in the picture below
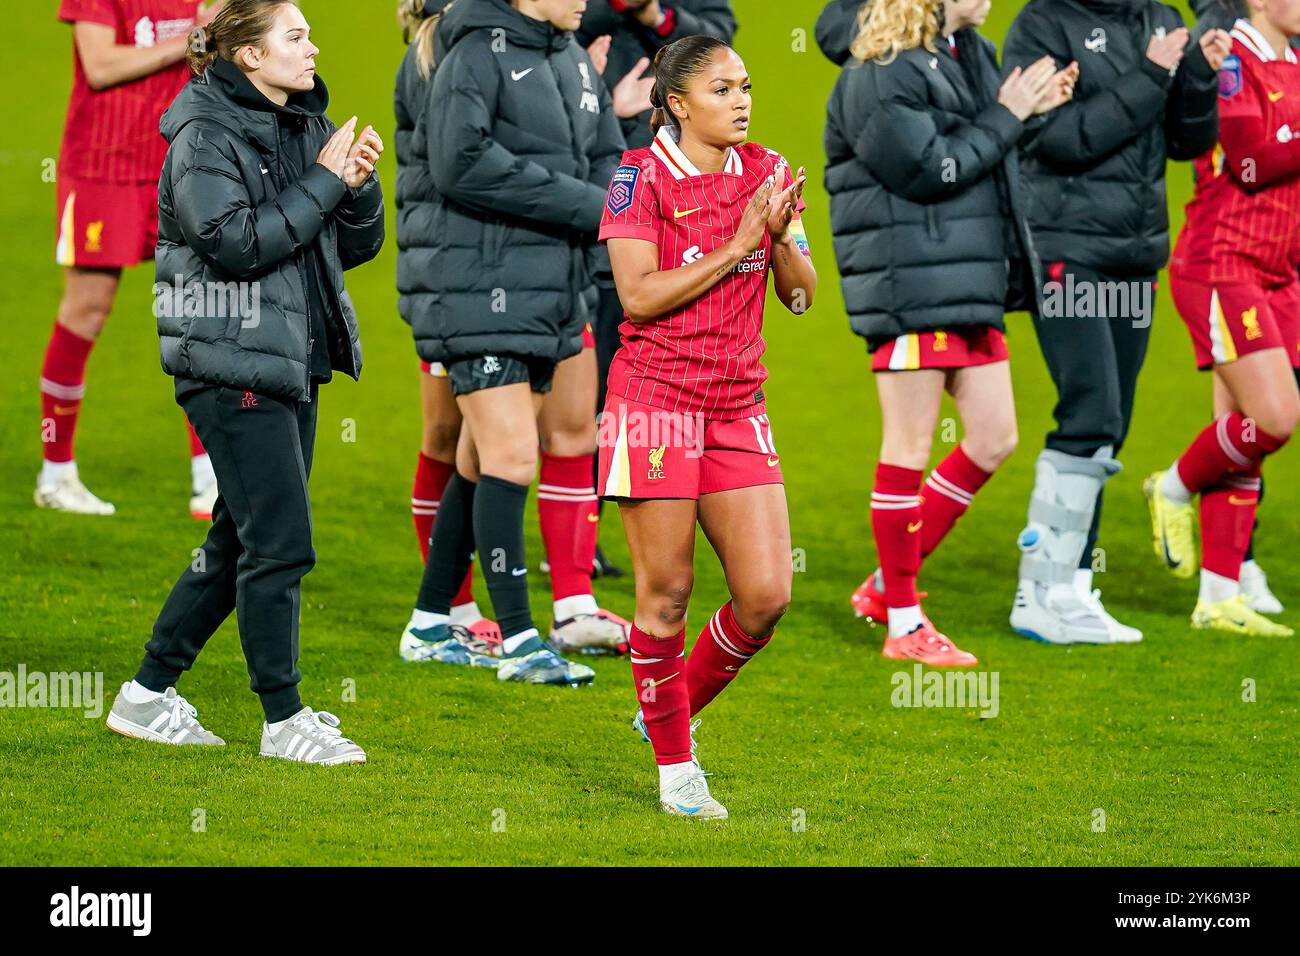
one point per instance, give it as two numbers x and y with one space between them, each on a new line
914 527
1274 97
1234 500
772 460
593 518
519 572
683 213
518 75
690 810
66 409
656 683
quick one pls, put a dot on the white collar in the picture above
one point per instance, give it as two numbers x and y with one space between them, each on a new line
1244 32
670 154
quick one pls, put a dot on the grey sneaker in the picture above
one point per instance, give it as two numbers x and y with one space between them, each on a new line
166 719
311 736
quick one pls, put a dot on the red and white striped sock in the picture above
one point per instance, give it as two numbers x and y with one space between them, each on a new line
1227 517
567 512
947 493
63 385
1230 443
896 523
719 654
431 477
662 692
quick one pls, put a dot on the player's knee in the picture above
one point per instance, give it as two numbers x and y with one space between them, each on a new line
759 609
907 451
570 442
1279 419
988 450
440 438
517 464
668 600
84 317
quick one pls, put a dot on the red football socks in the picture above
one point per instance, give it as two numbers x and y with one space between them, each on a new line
431 477
567 512
722 650
1227 517
948 492
63 384
661 690
1230 443
896 522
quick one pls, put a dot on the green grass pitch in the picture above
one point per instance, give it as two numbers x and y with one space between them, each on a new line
814 763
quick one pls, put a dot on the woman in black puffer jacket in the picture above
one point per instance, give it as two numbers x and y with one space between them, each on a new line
262 207
933 248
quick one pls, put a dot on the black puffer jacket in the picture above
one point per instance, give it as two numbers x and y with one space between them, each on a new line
925 193
631 41
521 144
1096 167
242 200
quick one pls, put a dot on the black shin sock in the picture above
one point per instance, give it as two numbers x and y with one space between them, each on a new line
450 547
499 531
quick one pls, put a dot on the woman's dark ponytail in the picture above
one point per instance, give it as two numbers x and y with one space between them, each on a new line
675 66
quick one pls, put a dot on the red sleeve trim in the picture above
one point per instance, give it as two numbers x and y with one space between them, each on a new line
618 230
666 28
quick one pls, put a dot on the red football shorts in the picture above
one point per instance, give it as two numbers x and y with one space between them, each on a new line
106 225
956 348
1229 320
646 452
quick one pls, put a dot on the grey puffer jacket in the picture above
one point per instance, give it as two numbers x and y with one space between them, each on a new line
243 201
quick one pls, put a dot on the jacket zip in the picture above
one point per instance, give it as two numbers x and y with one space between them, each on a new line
302 276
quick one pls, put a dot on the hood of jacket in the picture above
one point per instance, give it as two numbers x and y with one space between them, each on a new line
835 28
1121 9
470 15
225 95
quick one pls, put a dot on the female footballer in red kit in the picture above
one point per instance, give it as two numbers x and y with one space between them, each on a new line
694 224
130 64
1233 278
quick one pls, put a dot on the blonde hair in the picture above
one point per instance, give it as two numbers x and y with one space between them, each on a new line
886 28
418 29
240 23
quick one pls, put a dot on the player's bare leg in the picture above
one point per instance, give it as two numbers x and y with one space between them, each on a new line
88 296
422 639
661 541
909 404
749 528
1252 580
1256 391
567 510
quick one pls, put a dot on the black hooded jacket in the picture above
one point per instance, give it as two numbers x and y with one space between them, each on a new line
242 200
1096 167
520 143
926 202
632 40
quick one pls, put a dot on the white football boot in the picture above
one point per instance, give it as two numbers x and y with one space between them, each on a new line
67 493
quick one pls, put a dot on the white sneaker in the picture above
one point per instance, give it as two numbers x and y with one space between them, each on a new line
1059 617
203 500
165 719
69 494
690 798
311 737
1118 633
1254 586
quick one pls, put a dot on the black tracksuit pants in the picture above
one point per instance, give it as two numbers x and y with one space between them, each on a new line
257 550
1094 360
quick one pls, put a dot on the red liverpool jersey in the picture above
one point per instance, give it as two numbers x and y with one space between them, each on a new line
112 135
1243 225
705 357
